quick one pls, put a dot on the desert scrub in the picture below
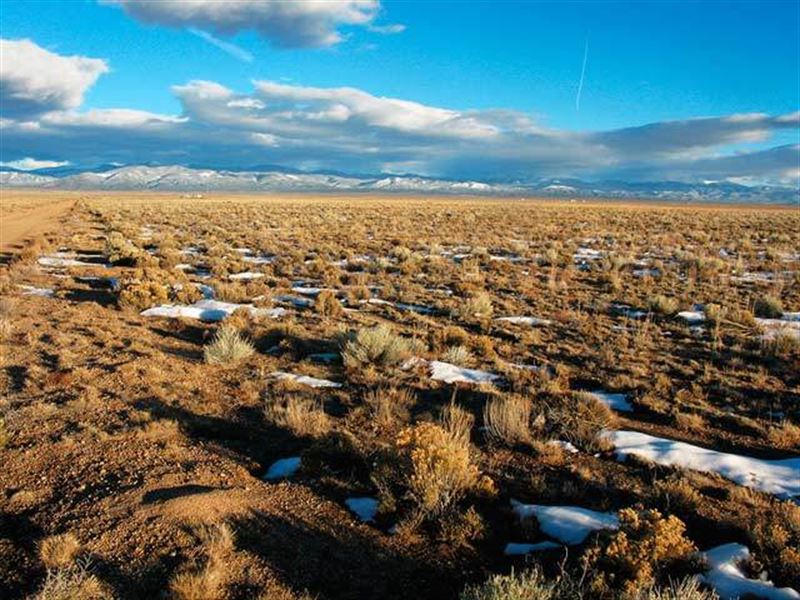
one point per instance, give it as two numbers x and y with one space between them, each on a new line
527 585
507 420
149 287
69 575
459 355
476 308
302 416
376 346
210 579
389 405
328 305
435 467
227 348
662 305
768 307
580 418
645 546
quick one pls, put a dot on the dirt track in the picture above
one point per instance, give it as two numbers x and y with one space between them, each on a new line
20 226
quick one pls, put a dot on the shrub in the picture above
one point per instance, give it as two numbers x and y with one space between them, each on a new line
528 585
59 551
678 494
328 305
644 546
6 318
377 346
208 581
458 355
228 347
507 420
389 404
786 435
302 416
768 307
685 589
581 418
3 434
662 305
436 467
780 344
75 583
457 422
477 308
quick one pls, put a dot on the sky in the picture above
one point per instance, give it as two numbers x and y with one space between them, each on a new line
486 90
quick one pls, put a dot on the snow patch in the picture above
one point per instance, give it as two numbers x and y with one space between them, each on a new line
728 580
364 507
567 524
29 290
449 373
209 310
283 468
532 321
779 477
614 401
305 380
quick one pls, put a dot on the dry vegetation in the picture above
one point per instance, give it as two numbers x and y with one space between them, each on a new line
148 438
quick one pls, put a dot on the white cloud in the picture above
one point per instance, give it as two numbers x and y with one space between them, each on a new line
29 164
351 130
288 24
387 29
35 81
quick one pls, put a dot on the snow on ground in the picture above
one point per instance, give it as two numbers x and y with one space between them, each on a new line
69 259
307 290
259 260
246 276
442 371
614 401
692 317
364 507
29 290
788 324
283 468
728 580
566 446
567 524
295 301
533 321
208 310
305 380
629 312
779 477
515 549
646 273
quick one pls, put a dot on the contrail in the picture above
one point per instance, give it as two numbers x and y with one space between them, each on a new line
232 49
583 73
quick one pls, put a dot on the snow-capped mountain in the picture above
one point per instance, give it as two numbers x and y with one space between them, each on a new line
179 178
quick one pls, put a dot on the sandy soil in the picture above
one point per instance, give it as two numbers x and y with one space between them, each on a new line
19 226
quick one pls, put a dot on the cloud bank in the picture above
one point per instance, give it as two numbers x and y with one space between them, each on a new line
307 24
351 130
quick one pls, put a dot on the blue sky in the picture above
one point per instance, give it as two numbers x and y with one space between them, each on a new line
647 63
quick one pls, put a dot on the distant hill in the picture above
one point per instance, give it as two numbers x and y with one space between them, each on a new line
179 178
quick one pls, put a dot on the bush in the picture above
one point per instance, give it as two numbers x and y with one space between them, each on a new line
458 355
435 467
662 305
634 556
528 585
389 404
3 434
768 307
377 346
328 305
302 416
581 418
507 420
228 347
477 308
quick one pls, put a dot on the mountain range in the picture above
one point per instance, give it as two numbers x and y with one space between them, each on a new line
276 179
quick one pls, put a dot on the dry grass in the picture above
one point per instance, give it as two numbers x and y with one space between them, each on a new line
209 580
507 420
228 347
378 346
59 551
302 416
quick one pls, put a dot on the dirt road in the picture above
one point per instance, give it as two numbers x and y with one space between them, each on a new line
17 227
